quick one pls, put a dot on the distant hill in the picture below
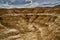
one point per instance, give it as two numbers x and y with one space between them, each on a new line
55 9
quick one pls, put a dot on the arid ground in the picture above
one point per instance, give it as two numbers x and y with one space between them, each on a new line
40 23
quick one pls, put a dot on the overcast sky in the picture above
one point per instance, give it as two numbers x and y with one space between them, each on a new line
27 3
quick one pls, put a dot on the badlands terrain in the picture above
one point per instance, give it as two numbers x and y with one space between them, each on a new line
40 23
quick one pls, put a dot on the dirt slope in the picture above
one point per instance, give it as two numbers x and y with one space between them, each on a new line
40 23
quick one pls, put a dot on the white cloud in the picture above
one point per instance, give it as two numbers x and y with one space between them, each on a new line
26 6
30 5
49 2
33 5
45 2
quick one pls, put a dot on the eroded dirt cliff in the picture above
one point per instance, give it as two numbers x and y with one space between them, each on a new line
40 23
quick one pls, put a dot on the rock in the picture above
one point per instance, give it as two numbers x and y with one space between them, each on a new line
40 23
